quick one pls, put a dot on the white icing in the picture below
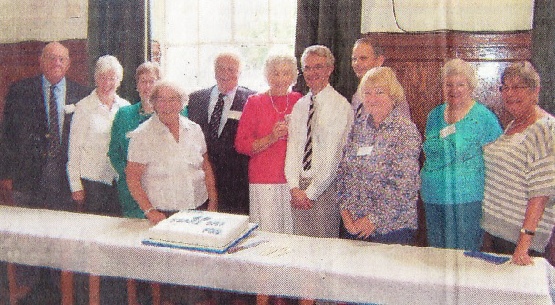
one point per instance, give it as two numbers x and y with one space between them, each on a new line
200 228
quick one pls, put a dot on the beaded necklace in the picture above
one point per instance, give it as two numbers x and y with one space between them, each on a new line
274 104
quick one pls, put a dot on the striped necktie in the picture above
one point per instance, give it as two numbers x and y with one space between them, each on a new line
307 159
216 117
358 111
53 123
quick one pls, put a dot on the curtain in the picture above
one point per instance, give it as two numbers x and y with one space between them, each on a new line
543 50
120 28
335 24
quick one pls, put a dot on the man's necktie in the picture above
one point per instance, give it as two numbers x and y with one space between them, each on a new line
358 111
214 124
307 159
53 123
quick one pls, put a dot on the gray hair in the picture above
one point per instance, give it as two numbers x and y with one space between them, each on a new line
321 51
148 67
458 66
108 63
525 71
229 54
159 85
272 61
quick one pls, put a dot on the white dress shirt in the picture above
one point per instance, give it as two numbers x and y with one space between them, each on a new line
331 124
174 178
89 138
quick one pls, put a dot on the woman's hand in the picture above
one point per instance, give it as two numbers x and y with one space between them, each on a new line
350 225
279 131
364 227
155 216
521 257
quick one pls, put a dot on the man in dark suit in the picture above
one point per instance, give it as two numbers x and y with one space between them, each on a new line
33 146
217 110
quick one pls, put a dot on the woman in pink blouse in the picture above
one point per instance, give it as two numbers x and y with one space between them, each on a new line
262 134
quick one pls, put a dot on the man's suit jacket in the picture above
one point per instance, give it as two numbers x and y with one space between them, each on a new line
230 167
24 143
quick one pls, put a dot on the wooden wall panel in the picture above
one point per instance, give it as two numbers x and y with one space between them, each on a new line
417 59
20 60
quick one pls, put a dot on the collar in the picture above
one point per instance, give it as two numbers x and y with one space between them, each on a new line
322 92
184 123
392 117
46 84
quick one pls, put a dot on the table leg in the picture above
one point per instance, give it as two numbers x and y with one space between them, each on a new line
156 296
66 283
12 284
94 290
131 292
15 292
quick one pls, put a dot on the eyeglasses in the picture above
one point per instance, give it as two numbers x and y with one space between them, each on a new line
373 91
53 58
506 88
313 68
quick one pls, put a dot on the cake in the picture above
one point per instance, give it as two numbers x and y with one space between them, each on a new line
202 230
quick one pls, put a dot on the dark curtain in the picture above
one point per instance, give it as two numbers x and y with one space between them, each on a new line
335 24
120 28
543 50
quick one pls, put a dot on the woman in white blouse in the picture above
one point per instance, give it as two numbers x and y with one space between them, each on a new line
167 165
91 175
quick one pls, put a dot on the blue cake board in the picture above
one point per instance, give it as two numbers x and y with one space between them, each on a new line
177 245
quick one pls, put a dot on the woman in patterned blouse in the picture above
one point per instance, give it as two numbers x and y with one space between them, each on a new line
378 175
518 211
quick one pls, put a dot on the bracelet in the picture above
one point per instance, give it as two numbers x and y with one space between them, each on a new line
527 232
149 210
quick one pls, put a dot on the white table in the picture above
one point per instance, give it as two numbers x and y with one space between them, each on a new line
286 265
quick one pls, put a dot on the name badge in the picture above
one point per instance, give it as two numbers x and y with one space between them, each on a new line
450 129
364 151
234 115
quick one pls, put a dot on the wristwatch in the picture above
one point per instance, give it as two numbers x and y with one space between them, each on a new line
527 232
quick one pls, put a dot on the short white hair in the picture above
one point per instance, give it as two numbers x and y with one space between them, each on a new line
164 83
274 60
108 63
232 55
458 66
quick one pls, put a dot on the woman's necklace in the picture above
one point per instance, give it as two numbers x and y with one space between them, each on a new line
274 104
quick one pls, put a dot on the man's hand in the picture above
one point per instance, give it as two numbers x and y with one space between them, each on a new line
299 200
6 192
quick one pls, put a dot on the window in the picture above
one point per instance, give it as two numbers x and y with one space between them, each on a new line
192 32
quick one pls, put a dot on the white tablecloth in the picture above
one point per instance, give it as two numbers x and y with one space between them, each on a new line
286 265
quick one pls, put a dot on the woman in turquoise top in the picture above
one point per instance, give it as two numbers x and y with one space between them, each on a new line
127 119
453 173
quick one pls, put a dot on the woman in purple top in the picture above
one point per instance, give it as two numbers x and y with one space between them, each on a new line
378 175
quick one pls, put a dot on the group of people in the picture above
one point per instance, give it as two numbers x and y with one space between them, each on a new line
315 165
